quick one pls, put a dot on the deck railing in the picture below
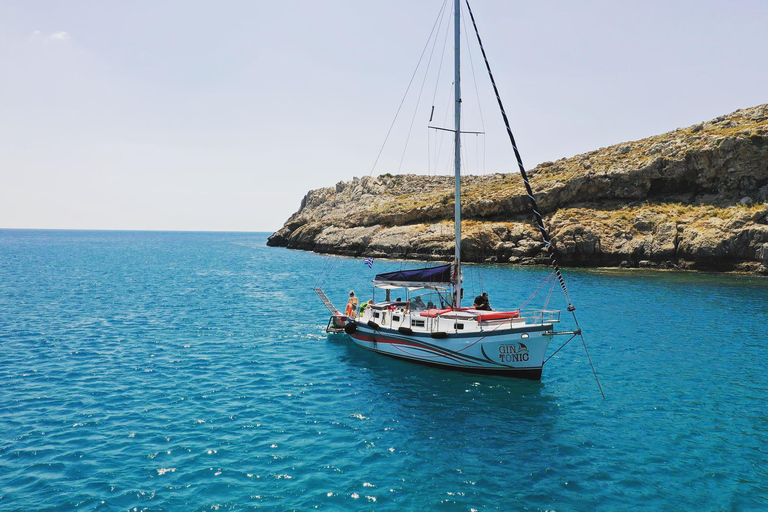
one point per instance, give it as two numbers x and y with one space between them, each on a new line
541 316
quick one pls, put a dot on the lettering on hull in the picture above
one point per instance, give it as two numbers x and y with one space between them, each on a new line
511 359
513 353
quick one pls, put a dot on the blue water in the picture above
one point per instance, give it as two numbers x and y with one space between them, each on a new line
181 371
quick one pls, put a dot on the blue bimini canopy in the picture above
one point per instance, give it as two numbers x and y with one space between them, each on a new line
436 276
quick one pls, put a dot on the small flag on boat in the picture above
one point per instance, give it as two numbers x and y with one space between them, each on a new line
369 262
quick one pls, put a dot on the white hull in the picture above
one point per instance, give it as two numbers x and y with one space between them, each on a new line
511 348
430 326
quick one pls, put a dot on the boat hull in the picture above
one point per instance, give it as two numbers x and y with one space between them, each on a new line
518 352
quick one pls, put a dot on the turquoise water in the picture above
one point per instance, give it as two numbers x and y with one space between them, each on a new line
181 371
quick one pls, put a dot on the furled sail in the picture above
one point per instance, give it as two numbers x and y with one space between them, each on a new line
432 276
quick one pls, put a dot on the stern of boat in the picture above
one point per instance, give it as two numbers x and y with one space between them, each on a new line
336 324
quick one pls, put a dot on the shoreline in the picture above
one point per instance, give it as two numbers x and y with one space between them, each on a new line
670 270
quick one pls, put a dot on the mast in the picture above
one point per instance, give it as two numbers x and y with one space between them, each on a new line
457 149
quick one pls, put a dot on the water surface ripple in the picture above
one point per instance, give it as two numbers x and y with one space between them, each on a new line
180 371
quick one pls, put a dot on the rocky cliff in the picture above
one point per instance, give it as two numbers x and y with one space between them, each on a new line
693 198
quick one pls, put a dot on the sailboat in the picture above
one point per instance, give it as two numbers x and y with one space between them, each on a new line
426 322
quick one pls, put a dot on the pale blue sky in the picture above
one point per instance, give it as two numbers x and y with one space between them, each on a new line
192 115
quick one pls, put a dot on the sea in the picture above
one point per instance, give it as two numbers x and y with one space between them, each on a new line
192 371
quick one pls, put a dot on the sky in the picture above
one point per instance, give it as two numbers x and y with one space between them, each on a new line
219 116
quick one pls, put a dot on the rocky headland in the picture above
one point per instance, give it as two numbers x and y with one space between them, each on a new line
694 198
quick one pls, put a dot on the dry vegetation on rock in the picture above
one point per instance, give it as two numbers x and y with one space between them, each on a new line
691 198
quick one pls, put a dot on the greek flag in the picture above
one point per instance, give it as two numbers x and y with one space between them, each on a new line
369 262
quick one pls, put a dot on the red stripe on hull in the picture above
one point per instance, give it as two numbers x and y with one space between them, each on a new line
522 373
395 342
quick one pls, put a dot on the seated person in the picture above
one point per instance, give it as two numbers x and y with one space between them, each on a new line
397 304
417 304
482 303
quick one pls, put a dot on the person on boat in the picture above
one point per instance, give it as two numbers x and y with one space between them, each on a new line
482 303
364 305
417 304
339 321
352 303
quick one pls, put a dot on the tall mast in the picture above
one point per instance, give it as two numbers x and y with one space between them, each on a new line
457 149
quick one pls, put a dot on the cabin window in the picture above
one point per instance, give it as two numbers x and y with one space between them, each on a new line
395 318
417 323
375 315
458 326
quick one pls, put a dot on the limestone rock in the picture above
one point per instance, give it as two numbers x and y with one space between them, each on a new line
691 198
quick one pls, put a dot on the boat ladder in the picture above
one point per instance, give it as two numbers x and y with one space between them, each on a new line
328 304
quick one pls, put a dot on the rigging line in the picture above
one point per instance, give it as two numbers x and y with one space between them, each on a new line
326 273
537 216
550 276
477 152
439 140
319 283
334 262
482 283
482 337
421 91
442 55
540 223
450 163
322 272
418 64
429 151
549 294
558 350
472 67
584 342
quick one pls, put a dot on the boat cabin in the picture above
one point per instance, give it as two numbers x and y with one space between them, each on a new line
427 309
